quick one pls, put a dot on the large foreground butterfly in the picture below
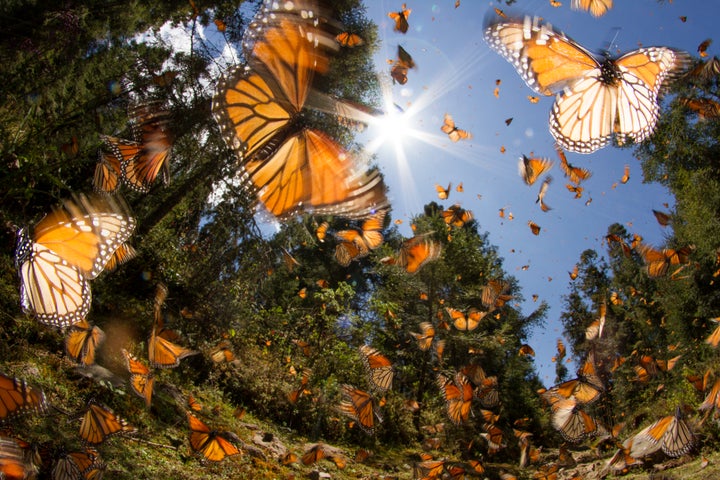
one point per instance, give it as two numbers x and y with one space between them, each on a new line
600 98
68 247
458 393
671 434
290 167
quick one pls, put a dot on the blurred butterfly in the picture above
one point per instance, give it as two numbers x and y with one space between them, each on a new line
425 337
456 216
141 380
575 272
99 423
662 218
313 454
493 294
465 322
702 48
531 169
378 367
541 194
222 353
712 400
526 349
68 247
360 406
400 67
452 131
356 244
221 26
289 167
124 253
321 231
162 353
194 404
81 342
575 174
599 99
626 175
346 39
417 251
705 108
597 8
212 445
443 193
400 18
534 227
428 469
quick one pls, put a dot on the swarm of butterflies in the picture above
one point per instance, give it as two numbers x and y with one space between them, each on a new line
290 169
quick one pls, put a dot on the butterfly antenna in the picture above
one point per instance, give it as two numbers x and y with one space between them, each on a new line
609 45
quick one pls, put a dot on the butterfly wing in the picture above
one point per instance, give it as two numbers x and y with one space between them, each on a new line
17 397
108 172
141 380
359 406
378 367
547 60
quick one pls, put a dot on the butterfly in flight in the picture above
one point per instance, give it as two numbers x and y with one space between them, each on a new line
598 99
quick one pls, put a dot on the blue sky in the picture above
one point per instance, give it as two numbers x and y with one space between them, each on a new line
456 73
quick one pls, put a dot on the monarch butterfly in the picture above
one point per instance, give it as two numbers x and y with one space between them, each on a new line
700 383
428 469
221 26
493 294
288 458
346 39
13 464
547 472
194 404
313 454
294 395
597 8
657 262
541 194
534 227
706 70
222 353
81 342
417 251
99 423
704 107
601 98
141 380
289 167
702 48
355 244
456 216
78 465
321 231
575 174
626 175
360 406
108 173
671 434
458 394
211 444
452 131
530 169
162 353
443 193
426 336
573 423
68 247
378 368
465 322
400 18
526 349
495 439
487 392
17 397
712 399
154 144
